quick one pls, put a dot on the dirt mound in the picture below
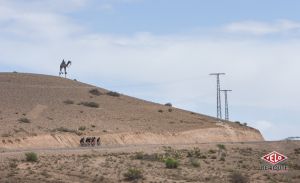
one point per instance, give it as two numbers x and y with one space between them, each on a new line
35 107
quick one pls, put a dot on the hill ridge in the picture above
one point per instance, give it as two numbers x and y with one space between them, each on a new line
51 104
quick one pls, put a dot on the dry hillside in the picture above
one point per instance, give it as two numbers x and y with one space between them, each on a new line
47 111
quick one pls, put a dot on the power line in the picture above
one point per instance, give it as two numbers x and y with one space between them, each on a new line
219 106
226 104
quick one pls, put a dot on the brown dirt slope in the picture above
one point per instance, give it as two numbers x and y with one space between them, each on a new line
35 107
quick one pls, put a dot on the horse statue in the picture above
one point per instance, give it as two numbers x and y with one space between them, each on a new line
64 66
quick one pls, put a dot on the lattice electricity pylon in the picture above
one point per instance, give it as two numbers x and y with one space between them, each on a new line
226 104
219 106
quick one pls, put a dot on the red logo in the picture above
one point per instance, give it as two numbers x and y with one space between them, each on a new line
274 158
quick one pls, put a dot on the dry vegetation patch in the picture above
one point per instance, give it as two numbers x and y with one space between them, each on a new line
168 105
133 174
89 104
113 94
64 129
95 92
68 102
24 120
237 177
82 128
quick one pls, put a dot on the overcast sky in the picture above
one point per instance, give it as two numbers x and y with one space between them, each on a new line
163 51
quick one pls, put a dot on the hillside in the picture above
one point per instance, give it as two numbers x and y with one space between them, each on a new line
47 111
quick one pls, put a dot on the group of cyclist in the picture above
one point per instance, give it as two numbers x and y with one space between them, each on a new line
90 141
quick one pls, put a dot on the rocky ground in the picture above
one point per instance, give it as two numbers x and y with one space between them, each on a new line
228 162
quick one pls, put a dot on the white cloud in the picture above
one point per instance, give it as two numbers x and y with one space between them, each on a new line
109 5
262 73
270 69
61 6
263 125
22 23
263 28
275 131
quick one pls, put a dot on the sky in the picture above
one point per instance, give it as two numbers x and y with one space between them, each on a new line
164 50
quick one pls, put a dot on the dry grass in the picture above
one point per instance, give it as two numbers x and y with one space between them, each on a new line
133 174
82 128
68 102
90 104
112 165
168 104
237 177
95 92
64 129
24 120
113 94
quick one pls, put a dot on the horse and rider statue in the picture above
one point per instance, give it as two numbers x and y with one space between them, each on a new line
64 66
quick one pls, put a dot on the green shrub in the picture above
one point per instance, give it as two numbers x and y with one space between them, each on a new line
171 163
69 102
202 157
297 151
161 111
90 104
82 128
223 155
95 92
113 94
211 151
294 166
133 174
194 153
213 157
31 157
139 155
168 104
63 129
13 164
24 120
148 157
172 153
237 122
195 162
237 177
221 146
6 135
